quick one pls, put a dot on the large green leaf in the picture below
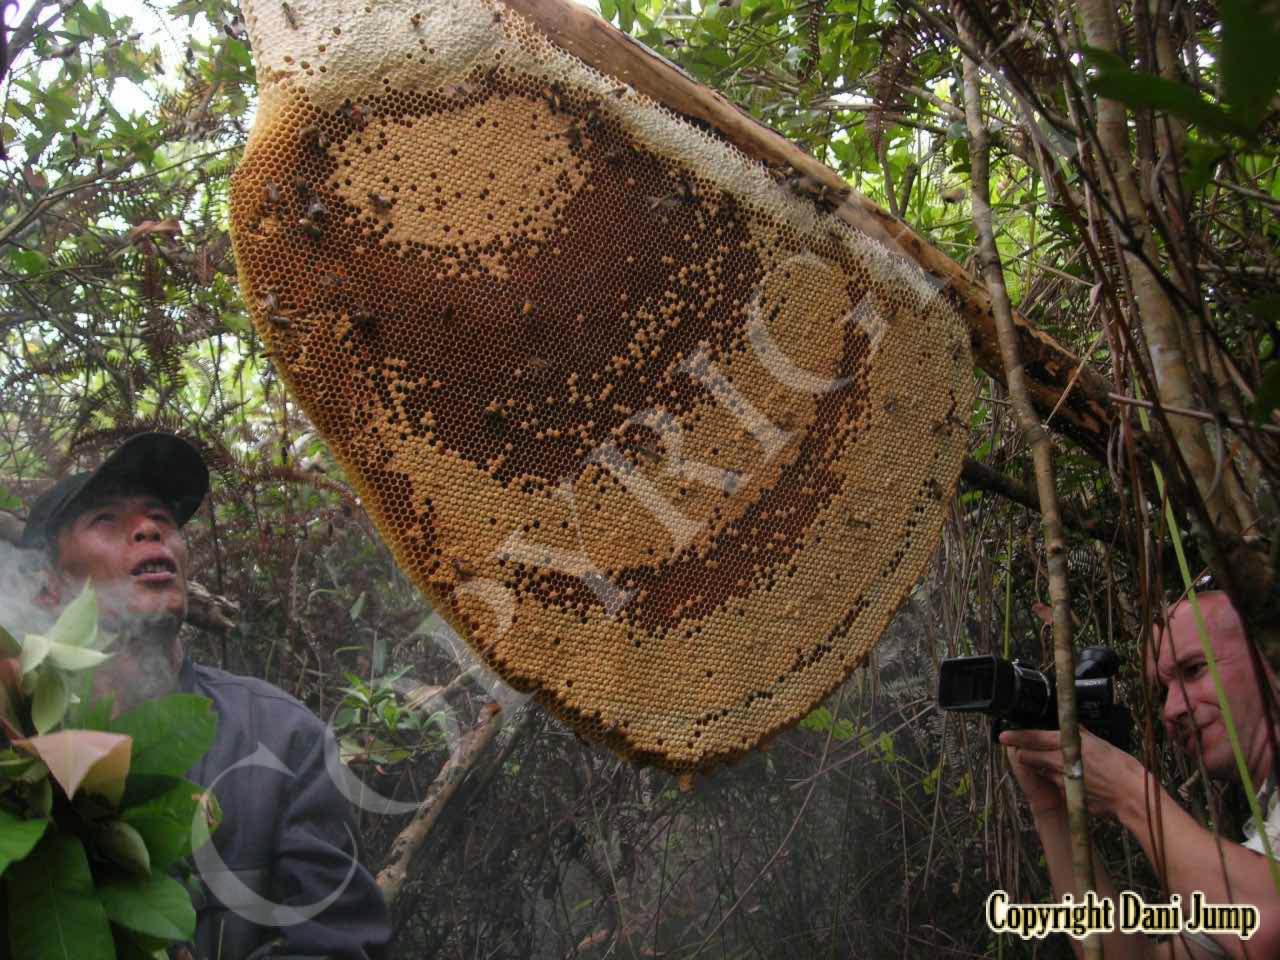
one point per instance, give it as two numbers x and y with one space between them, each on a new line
1248 59
1146 90
157 907
71 658
53 914
77 625
124 845
164 822
18 837
169 736
49 704
35 647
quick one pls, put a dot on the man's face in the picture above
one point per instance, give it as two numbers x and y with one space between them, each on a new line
131 549
1192 715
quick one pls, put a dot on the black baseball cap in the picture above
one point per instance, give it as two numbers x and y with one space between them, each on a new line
160 463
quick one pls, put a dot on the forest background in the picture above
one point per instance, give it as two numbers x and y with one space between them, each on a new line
1131 155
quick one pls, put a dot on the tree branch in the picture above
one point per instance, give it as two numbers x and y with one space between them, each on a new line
392 877
979 476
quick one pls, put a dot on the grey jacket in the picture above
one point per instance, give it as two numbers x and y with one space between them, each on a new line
284 839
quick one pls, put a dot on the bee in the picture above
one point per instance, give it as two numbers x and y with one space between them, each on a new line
278 320
648 452
554 95
290 17
618 92
668 202
495 422
315 139
458 91
463 569
379 203
301 187
271 193
354 114
333 280
574 136
497 16
593 119
416 20
362 321
449 314
310 228
269 302
822 195
317 211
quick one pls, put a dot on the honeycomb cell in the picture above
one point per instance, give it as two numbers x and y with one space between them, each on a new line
666 441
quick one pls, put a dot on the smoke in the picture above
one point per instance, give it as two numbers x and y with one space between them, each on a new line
145 654
21 577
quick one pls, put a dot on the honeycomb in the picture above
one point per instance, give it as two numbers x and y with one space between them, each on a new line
666 441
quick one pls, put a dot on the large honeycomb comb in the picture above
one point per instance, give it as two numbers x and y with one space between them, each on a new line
662 434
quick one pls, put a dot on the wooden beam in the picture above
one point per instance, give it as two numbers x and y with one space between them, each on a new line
1086 415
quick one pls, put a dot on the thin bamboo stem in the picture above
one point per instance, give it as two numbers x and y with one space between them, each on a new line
1041 450
1194 414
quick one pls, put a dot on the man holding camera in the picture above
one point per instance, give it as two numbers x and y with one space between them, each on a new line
1118 786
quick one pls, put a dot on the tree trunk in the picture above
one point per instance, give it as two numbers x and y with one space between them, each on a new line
1239 568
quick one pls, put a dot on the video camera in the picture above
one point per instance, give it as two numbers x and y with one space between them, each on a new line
1016 695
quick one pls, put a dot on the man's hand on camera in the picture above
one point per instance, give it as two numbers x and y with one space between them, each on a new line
1112 780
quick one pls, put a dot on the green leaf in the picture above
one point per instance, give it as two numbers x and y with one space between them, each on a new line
169 736
77 625
1199 159
1146 90
164 822
51 699
358 607
18 837
53 914
75 658
30 262
13 765
35 647
1267 397
159 907
1248 59
8 501
9 646
122 843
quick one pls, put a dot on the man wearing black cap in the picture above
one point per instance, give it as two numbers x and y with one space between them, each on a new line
287 884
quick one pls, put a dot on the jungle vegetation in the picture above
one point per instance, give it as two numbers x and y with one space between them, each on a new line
1131 155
